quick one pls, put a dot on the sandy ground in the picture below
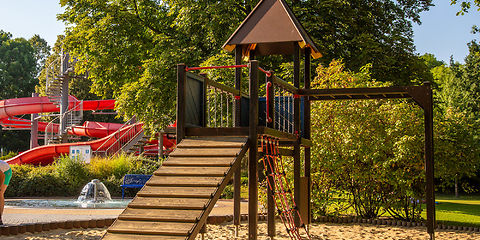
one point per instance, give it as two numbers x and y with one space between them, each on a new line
325 231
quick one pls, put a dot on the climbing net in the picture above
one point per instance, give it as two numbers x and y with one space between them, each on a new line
278 184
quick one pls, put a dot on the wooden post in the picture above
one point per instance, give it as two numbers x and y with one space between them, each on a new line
181 80
429 162
296 122
307 130
238 113
253 153
270 170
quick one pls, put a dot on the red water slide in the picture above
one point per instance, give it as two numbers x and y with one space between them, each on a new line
88 129
46 154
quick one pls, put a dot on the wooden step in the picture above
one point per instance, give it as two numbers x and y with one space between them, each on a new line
146 227
119 236
204 161
212 143
160 215
205 152
184 181
169 203
192 171
177 192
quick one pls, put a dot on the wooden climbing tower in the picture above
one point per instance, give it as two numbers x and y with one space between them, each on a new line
217 124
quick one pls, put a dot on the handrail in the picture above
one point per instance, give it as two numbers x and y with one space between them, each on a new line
115 133
122 138
285 85
129 141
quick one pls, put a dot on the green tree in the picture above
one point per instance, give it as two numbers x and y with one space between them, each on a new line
466 5
130 48
457 151
19 67
371 151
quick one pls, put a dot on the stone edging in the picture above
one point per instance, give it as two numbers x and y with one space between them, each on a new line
398 223
102 223
40 227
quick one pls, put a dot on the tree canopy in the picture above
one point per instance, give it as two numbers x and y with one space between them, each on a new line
20 64
130 48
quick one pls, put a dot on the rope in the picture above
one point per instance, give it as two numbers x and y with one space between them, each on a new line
283 196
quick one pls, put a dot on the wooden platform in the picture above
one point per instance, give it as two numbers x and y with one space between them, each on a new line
176 201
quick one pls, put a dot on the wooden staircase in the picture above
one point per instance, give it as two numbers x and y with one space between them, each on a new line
176 201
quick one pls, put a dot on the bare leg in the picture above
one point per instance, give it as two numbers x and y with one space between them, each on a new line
2 200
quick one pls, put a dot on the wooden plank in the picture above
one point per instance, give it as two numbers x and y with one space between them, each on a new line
191 171
198 162
119 236
181 192
212 143
169 203
146 227
205 152
184 181
160 215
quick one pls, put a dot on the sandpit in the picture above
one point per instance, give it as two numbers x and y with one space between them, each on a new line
328 231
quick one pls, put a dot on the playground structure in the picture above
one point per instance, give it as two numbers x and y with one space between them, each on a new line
58 136
218 124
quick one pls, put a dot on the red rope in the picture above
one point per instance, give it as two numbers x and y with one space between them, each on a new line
268 73
214 67
282 201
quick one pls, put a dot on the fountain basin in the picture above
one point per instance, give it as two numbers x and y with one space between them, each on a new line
67 203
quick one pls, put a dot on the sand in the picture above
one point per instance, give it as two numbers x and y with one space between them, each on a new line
325 231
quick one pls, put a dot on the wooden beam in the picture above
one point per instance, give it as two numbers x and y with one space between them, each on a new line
285 85
181 79
237 182
221 131
253 153
307 132
296 127
353 91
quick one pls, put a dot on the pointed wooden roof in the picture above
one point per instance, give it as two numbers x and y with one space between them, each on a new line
270 29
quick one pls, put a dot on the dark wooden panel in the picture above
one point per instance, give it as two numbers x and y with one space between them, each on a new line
145 227
160 215
194 100
169 203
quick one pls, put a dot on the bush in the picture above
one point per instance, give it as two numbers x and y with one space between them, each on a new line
8 156
67 176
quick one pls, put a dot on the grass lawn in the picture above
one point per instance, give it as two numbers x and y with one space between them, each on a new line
462 211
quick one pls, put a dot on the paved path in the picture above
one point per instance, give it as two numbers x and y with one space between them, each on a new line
17 215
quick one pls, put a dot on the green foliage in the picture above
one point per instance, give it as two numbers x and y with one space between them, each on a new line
8 156
466 5
130 48
67 176
384 175
20 61
457 135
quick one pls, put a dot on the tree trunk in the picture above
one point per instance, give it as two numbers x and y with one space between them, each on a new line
456 187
